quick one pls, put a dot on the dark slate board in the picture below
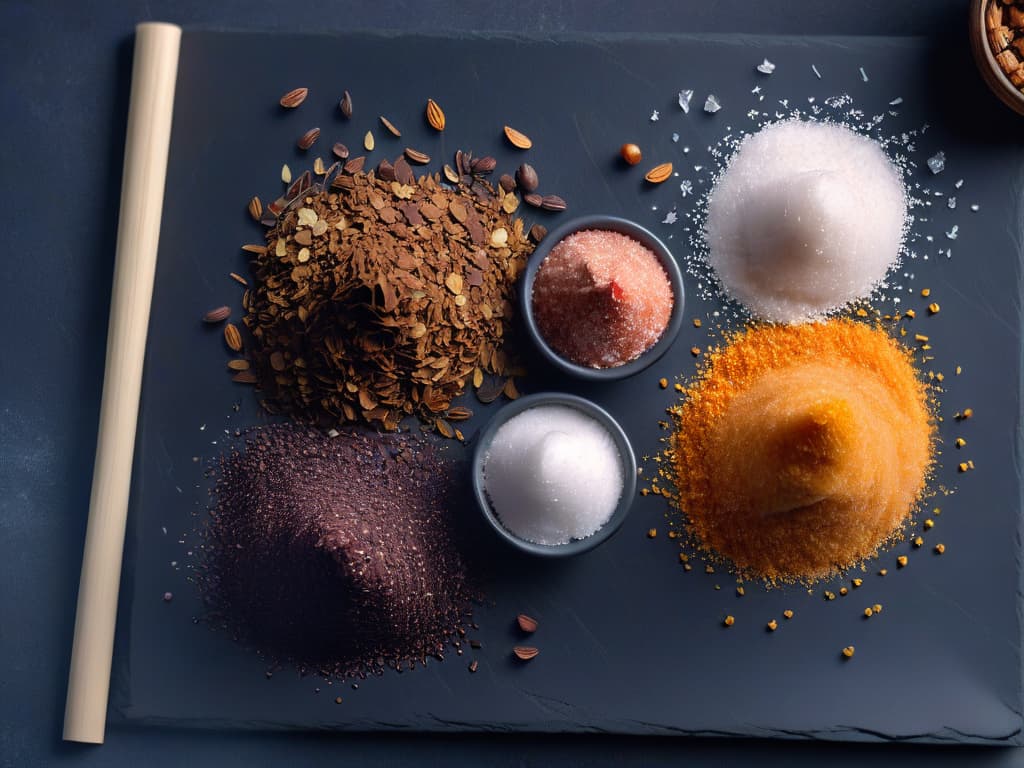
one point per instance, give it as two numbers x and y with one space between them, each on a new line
631 643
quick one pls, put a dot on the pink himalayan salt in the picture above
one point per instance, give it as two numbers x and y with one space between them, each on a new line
601 299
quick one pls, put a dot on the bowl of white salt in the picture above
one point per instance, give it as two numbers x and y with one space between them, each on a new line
554 474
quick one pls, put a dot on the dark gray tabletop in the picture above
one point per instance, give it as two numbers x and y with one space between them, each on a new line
64 75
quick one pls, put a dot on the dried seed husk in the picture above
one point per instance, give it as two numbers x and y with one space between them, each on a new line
526 623
345 105
318 166
245 377
254 248
368 141
444 428
435 115
293 98
386 171
517 139
390 126
340 151
309 138
538 232
459 413
255 208
238 278
506 182
286 174
415 156
218 315
659 173
232 337
533 199
526 178
403 171
525 652
450 174
490 389
552 203
238 364
509 389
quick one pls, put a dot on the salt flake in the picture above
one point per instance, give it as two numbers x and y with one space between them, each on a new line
670 218
654 116
951 202
937 162
959 183
975 207
863 74
675 137
896 102
686 188
814 69
766 67
712 104
684 100
952 234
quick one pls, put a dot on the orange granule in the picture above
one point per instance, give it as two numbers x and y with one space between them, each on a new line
800 450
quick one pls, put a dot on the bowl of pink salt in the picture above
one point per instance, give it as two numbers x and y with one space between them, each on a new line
602 298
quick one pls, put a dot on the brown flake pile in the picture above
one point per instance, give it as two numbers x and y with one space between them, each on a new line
335 554
377 298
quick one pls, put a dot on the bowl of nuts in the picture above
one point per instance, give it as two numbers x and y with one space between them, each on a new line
997 39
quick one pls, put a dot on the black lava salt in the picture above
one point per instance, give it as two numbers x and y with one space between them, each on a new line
335 554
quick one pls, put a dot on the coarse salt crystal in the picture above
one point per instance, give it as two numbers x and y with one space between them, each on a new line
712 104
553 474
684 100
937 162
766 67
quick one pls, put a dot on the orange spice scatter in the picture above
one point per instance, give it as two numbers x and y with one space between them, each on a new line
800 450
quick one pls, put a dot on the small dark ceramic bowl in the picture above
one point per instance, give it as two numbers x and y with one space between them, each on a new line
645 238
986 60
576 546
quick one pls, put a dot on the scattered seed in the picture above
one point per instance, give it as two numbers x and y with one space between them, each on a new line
255 208
858 582
526 623
877 607
901 561
232 337
918 541
338 700
168 597
238 364
773 625
474 665
286 174
525 652
538 232
652 533
309 138
435 115
940 548
631 153
238 278
416 156
659 173
368 142
533 199
663 383
787 614
933 308
848 652
218 315
868 613
345 105
390 126
729 621
293 98
517 139
526 178
340 151
552 203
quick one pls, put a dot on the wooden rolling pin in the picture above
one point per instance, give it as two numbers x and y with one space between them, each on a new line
154 73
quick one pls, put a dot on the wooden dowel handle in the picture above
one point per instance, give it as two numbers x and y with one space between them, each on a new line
154 73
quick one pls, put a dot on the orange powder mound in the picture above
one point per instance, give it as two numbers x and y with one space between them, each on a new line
800 450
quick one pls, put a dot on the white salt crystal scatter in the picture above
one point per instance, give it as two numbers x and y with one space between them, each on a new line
712 104
814 69
953 233
675 138
806 218
670 218
975 207
951 202
863 74
937 162
896 102
655 116
686 187
553 474
684 100
766 67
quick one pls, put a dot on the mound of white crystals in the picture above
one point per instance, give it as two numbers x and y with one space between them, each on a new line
805 218
553 474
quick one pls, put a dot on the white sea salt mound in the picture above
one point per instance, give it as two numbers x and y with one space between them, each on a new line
806 218
553 474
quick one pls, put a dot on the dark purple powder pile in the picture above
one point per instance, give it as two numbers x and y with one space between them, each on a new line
335 554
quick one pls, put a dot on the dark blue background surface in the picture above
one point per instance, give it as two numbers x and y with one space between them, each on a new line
64 84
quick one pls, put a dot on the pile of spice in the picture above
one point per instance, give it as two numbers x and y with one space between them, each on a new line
334 554
800 450
806 218
553 474
377 298
601 299
1004 24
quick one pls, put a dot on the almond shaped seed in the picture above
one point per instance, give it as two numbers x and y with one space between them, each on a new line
552 203
309 138
526 623
526 178
238 364
659 173
368 142
232 337
533 199
517 139
345 105
294 97
218 315
255 208
390 126
340 151
450 174
415 156
525 652
435 115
